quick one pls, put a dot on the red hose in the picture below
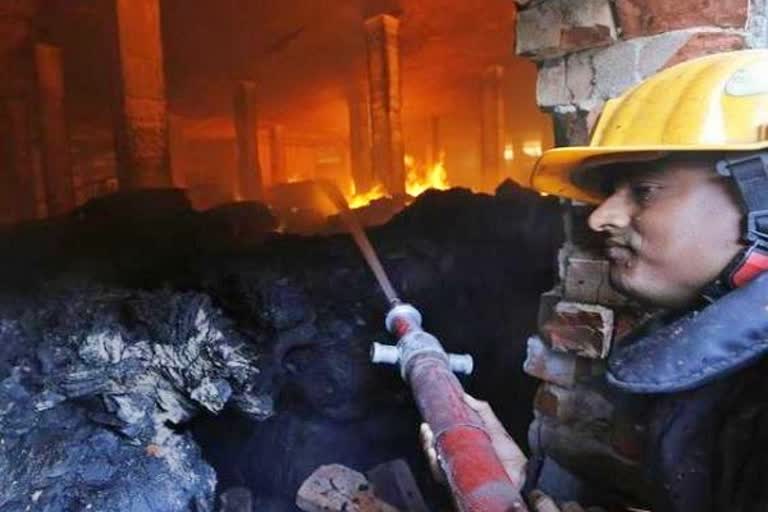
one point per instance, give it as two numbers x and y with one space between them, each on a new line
476 476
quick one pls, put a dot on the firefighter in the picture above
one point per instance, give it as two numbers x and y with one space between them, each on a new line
678 170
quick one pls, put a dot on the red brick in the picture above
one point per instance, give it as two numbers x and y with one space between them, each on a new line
582 329
336 488
585 37
585 279
707 43
546 30
647 17
582 406
563 369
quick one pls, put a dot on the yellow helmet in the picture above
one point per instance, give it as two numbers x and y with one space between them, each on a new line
716 103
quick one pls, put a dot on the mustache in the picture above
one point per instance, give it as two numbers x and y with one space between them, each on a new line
619 240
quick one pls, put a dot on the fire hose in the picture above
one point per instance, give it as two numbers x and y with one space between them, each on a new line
477 478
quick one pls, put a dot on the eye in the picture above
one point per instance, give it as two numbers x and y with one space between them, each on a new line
643 193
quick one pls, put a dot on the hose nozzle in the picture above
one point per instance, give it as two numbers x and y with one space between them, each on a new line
402 318
404 321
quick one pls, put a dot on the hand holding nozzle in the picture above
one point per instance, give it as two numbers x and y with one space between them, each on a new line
509 453
404 321
462 446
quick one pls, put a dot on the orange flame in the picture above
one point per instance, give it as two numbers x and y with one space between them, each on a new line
419 178
363 199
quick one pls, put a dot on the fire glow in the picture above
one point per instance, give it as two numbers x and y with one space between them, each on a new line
422 178
356 200
419 178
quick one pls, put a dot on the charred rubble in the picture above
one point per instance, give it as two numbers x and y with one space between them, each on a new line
152 356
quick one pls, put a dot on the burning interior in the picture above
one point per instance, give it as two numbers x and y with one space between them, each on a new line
185 320
169 343
385 101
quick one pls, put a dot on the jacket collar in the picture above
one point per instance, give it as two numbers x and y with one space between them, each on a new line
700 347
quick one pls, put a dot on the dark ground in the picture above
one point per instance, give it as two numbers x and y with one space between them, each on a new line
137 330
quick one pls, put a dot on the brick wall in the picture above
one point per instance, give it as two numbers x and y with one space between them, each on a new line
593 50
589 51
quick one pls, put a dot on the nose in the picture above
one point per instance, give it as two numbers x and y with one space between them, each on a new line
614 213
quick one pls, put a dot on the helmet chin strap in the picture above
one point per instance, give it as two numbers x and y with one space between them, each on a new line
746 266
751 176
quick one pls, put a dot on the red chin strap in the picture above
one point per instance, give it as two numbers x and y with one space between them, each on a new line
754 263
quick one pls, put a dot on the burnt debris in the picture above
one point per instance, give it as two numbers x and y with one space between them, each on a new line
152 356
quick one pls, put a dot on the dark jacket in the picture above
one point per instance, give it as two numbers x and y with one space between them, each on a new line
706 375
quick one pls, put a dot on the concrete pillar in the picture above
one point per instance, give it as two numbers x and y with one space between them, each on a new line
360 138
177 150
56 158
386 102
277 157
141 120
493 127
22 166
249 183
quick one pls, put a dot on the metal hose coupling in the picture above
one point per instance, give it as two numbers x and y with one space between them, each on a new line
404 321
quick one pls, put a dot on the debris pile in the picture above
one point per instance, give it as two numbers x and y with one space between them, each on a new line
153 357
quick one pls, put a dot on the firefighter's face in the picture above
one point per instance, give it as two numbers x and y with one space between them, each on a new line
672 227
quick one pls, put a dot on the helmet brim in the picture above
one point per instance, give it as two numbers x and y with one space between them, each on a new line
561 171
